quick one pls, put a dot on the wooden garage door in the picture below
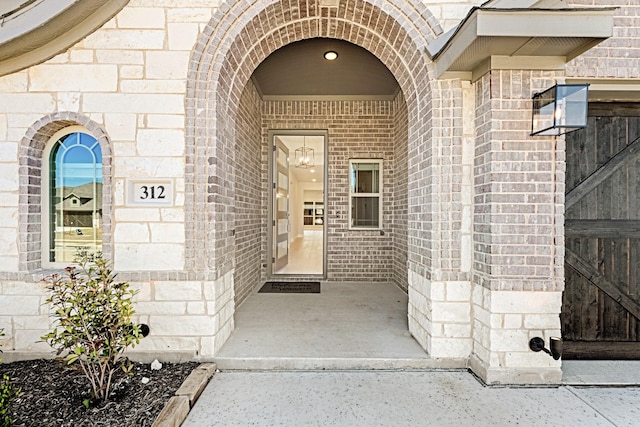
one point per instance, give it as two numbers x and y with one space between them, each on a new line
601 302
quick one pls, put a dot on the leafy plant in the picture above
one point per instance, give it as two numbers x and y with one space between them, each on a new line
7 393
93 326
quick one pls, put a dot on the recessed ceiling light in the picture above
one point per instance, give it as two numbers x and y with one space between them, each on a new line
313 180
330 55
312 170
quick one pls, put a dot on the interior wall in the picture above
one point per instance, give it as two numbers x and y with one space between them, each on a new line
250 208
303 191
400 194
356 129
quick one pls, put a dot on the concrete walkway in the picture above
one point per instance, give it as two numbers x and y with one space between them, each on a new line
402 398
344 357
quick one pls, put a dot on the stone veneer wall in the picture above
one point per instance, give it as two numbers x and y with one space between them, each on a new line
357 129
250 209
125 83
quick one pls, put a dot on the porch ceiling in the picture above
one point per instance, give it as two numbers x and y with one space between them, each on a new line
518 38
299 71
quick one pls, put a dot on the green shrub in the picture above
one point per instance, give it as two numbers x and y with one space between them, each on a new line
7 393
93 324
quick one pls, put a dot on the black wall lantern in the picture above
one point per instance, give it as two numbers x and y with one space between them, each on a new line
560 109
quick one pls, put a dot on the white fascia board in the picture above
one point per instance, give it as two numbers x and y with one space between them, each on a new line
610 89
590 24
436 45
555 23
464 36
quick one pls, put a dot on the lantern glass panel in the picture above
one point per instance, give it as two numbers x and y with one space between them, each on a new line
572 102
544 107
560 109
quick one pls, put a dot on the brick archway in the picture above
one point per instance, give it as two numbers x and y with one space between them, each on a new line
239 37
31 151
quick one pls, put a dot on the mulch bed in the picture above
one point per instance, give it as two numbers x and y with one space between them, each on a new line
52 394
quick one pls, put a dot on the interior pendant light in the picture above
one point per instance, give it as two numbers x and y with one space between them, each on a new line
304 156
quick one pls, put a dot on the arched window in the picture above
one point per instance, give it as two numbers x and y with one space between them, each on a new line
73 208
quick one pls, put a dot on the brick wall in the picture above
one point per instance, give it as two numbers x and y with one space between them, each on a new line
374 129
617 57
400 206
519 187
239 39
518 231
29 185
357 129
446 140
250 209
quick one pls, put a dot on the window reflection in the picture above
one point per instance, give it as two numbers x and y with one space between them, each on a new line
364 186
75 214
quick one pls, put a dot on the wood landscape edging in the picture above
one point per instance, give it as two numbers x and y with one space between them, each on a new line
177 408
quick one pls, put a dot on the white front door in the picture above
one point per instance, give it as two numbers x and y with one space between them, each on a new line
280 206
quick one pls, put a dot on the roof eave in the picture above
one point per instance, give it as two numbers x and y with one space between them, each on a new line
486 34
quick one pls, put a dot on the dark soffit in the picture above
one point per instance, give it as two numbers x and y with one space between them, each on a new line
300 70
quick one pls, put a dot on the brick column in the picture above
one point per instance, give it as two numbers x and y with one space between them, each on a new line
440 293
518 234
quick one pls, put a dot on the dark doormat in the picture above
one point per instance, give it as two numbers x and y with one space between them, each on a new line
290 288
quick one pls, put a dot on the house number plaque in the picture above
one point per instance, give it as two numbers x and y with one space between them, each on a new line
150 192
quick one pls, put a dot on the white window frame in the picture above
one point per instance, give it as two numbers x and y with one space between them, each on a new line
353 194
45 195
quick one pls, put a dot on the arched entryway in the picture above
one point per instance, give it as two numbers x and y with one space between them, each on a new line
240 37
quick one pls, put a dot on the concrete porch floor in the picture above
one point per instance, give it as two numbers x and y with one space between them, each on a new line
345 326
357 326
